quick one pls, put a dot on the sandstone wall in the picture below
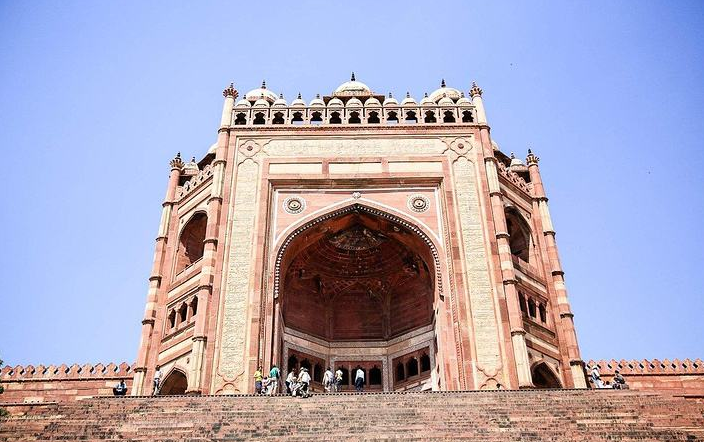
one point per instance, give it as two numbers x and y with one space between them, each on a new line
61 383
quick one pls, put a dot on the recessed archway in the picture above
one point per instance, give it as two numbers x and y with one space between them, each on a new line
175 383
544 377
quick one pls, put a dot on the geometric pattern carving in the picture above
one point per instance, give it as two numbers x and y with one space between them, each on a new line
418 203
294 205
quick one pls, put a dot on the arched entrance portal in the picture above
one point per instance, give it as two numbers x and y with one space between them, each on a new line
175 383
357 291
543 377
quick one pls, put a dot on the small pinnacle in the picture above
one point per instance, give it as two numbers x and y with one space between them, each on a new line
462 94
281 96
317 95
263 84
390 96
299 95
408 94
425 95
512 155
193 160
352 77
530 151
442 83
178 154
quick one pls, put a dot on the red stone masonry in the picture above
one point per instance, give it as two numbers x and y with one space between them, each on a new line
680 377
61 383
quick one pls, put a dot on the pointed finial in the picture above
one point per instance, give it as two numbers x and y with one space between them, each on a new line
230 91
512 155
475 91
461 94
442 83
263 84
176 163
425 95
193 159
531 159
352 77
390 96
299 96
317 95
281 96
408 94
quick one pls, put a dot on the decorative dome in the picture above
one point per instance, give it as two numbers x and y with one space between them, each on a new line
259 93
317 101
354 102
191 167
243 103
280 102
426 100
445 91
335 102
408 101
390 101
352 88
464 101
446 101
516 163
372 102
298 102
261 102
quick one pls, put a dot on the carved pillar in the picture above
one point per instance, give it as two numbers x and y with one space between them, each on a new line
207 274
138 385
566 317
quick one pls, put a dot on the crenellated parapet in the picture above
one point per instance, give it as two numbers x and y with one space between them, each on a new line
195 182
645 366
65 372
513 178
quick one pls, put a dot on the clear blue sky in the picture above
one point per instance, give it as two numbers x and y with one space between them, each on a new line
96 97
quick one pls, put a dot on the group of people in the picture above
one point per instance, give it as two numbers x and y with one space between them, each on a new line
618 382
298 385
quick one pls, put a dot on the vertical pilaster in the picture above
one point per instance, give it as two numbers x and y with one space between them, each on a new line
566 317
508 274
207 275
138 385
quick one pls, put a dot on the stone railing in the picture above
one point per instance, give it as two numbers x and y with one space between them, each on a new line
331 115
64 371
513 178
194 182
654 366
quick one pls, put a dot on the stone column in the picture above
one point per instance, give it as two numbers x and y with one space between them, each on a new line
508 275
138 387
207 273
566 317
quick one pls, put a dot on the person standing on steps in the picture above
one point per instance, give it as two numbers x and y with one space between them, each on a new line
596 377
258 380
290 381
359 379
157 381
304 380
338 380
274 375
328 380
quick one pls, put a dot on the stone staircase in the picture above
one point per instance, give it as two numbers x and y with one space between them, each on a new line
487 416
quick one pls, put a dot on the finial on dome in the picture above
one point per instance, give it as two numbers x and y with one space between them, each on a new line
177 163
193 159
352 77
281 96
531 159
317 95
442 83
425 95
230 91
299 96
475 91
263 84
391 95
408 94
461 94
512 155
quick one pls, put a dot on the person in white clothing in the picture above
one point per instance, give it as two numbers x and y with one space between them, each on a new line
338 380
304 380
290 380
157 381
328 380
359 379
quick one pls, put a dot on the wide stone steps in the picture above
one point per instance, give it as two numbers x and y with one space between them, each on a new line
497 416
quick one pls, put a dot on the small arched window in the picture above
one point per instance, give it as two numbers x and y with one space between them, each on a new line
297 118
259 118
400 372
519 235
522 302
411 117
345 376
374 376
373 118
240 119
354 118
316 118
392 117
543 313
449 117
335 118
531 308
172 319
467 117
424 363
182 313
412 367
190 245
194 307
430 117
278 118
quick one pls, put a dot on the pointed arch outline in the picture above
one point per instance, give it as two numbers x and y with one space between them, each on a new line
543 363
356 206
174 370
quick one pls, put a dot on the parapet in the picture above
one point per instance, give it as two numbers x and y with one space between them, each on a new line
63 372
645 366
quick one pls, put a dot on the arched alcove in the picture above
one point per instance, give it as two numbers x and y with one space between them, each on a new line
544 377
190 244
174 384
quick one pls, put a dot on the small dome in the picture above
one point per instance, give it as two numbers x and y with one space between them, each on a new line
426 100
372 102
446 101
335 102
354 102
317 101
280 102
243 103
352 88
445 91
259 93
191 167
515 162
298 102
390 101
464 101
408 101
261 102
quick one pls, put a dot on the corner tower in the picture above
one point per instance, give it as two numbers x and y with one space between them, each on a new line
357 231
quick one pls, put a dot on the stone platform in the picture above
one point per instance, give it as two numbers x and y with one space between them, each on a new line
487 416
